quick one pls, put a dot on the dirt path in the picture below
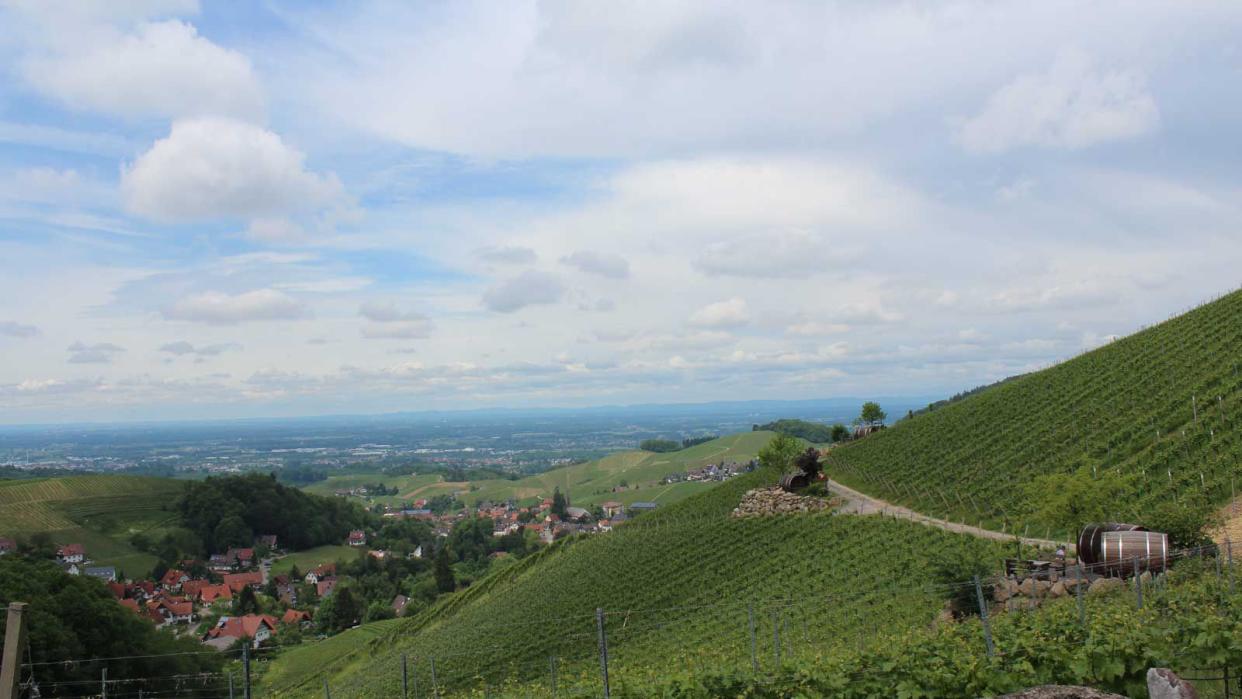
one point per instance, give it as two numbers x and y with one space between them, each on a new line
857 503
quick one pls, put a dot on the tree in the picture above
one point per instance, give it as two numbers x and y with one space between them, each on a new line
808 462
1187 522
840 432
1068 501
231 531
779 453
445 581
246 602
558 503
872 414
346 611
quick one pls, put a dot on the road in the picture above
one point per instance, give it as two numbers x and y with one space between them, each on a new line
862 504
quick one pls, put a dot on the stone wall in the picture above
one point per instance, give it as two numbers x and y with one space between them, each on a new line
762 502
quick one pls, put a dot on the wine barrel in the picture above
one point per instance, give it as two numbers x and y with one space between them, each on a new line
792 482
1111 547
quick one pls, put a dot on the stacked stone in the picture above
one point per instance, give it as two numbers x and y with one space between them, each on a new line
762 502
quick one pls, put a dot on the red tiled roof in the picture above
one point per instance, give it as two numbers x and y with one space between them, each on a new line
117 589
130 604
324 586
243 626
236 581
210 593
173 577
72 550
294 616
191 587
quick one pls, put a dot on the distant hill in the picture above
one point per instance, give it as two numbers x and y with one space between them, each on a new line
99 511
1151 417
629 476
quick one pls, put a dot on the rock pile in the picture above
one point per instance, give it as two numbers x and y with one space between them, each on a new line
1059 691
1030 591
761 502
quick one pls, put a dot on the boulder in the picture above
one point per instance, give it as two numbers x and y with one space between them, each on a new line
1163 683
1027 587
1058 589
1001 592
1060 691
1042 587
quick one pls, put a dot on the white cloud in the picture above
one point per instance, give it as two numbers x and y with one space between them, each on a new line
160 69
99 353
508 255
722 314
390 323
182 348
11 328
225 309
598 263
815 328
775 254
1073 105
216 168
527 289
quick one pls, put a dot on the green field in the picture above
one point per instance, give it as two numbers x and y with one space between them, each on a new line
99 511
1159 409
586 484
676 583
305 560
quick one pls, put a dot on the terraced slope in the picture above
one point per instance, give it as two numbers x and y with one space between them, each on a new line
680 583
1159 408
99 511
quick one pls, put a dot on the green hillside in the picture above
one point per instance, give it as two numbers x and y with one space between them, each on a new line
681 582
1156 413
587 483
99 511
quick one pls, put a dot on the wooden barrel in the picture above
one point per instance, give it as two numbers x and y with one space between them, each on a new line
795 481
1089 542
1121 550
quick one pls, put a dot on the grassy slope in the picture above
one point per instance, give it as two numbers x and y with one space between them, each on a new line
587 483
675 583
1102 409
305 560
99 511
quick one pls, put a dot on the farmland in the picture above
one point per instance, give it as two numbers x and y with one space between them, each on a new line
100 511
305 560
1156 412
626 477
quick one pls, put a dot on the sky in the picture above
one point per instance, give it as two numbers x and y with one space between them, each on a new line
234 209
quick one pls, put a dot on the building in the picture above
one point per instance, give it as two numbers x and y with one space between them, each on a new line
611 507
357 537
105 573
324 587
208 594
71 553
268 541
320 572
236 582
641 507
173 579
295 616
229 630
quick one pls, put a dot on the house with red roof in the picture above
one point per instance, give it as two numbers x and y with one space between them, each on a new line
238 581
357 537
130 604
175 610
210 593
228 630
243 558
190 588
325 586
71 553
295 616
173 579
320 572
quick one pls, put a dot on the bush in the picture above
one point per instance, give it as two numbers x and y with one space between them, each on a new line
1187 522
659 446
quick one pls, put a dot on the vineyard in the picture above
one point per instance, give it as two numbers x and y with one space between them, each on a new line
1157 412
100 511
683 582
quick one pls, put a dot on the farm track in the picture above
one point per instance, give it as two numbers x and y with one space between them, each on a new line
858 503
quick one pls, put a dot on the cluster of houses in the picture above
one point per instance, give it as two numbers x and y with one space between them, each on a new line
712 472
179 599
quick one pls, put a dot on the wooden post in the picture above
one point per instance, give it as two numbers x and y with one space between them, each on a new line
14 644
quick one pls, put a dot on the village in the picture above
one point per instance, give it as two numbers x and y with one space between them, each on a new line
216 600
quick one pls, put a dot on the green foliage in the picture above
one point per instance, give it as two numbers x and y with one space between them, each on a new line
872 414
559 504
1187 521
246 602
660 446
1160 409
221 511
780 452
840 432
1071 501
810 431
75 617
695 441
445 580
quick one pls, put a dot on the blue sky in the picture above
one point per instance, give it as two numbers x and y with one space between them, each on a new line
290 208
